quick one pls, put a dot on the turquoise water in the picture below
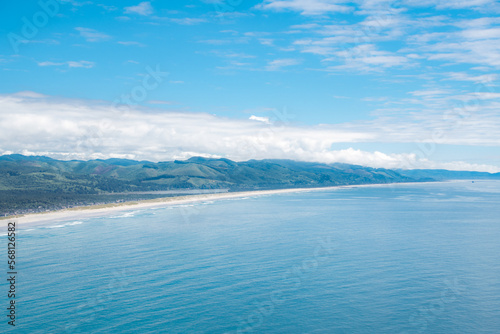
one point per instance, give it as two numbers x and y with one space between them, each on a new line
414 258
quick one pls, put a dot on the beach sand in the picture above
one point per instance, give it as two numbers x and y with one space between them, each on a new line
44 218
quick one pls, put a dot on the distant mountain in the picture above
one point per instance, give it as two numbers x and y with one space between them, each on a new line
443 174
20 157
37 183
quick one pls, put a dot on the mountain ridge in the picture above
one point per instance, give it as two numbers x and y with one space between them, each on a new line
39 183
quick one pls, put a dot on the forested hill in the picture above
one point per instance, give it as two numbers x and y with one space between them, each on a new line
19 172
35 183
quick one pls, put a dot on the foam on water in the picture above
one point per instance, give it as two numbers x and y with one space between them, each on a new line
73 223
128 214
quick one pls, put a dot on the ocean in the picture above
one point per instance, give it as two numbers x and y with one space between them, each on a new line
403 258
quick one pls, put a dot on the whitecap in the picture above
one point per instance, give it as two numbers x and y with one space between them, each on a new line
126 215
77 222
74 223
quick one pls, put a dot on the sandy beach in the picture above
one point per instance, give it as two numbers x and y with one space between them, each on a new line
43 218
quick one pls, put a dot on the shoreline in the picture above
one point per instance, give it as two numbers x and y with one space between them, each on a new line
93 211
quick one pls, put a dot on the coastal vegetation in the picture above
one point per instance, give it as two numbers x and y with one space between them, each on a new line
36 183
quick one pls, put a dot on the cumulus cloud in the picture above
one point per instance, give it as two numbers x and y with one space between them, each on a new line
44 124
260 119
73 129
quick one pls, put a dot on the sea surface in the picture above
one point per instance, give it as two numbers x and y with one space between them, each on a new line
404 258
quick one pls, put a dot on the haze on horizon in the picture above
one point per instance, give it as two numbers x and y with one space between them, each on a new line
380 83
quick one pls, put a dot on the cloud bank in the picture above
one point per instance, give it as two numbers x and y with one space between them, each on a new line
32 123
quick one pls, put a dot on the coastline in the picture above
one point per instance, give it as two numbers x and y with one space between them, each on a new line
92 211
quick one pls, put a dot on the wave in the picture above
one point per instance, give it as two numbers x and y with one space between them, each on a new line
127 214
71 223
55 226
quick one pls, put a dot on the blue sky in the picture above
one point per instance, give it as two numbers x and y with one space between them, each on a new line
398 84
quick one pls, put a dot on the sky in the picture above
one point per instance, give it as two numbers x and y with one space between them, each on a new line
390 84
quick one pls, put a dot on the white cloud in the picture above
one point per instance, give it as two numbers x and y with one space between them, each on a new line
92 35
430 92
305 26
476 23
76 64
278 64
473 41
454 4
81 63
87 129
29 94
212 2
131 43
144 8
354 45
159 102
266 41
108 8
477 96
477 41
392 161
306 7
463 76
319 50
479 52
188 21
480 34
260 119
48 125
367 58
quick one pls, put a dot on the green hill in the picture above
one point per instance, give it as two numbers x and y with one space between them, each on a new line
30 184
